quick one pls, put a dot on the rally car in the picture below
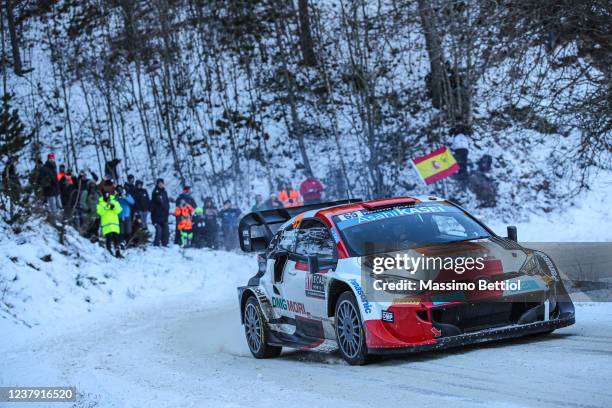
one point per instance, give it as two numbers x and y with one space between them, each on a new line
316 287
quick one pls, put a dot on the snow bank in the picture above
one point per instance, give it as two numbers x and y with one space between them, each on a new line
44 283
585 218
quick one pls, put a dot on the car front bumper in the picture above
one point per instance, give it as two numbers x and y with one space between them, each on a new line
493 334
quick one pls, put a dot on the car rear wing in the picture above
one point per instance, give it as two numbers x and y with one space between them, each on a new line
257 228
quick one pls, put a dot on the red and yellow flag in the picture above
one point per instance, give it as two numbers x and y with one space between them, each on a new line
436 165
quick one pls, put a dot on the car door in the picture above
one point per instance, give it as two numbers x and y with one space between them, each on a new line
281 264
313 240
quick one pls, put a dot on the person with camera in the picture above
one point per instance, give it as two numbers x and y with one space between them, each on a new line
109 209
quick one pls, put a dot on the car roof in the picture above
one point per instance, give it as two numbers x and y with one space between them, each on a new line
375 204
327 213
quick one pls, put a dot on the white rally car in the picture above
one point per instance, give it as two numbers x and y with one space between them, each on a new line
314 287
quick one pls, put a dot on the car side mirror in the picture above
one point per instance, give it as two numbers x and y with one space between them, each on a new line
512 233
313 264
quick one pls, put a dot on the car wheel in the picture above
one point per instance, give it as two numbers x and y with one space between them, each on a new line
255 331
349 330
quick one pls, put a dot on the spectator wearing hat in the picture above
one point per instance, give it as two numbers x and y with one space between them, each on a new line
160 211
311 190
142 207
107 185
186 198
130 187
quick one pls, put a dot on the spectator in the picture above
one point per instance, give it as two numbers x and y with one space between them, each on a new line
289 196
107 186
160 210
229 225
273 202
187 198
137 238
47 180
184 212
311 190
81 183
211 227
482 184
80 188
259 203
125 217
88 206
460 148
66 186
142 205
199 228
62 172
130 188
108 209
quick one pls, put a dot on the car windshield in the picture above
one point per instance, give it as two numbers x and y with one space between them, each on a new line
367 232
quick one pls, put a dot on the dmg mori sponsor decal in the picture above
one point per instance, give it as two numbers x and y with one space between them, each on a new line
289 305
315 285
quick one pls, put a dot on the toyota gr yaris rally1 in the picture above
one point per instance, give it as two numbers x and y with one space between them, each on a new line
318 285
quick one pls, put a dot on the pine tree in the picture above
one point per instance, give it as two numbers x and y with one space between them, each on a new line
12 131
13 139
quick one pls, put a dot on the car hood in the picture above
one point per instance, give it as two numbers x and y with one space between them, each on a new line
491 259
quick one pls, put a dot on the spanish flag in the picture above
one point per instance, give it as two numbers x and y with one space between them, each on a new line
436 165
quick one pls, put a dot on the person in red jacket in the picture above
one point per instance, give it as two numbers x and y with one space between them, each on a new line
311 190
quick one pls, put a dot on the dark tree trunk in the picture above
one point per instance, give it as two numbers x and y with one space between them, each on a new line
306 44
10 18
434 51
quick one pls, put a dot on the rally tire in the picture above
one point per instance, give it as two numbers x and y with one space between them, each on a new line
350 333
256 331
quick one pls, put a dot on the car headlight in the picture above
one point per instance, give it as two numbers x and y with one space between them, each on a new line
538 263
531 266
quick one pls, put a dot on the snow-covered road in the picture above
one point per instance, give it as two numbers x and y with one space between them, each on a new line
180 352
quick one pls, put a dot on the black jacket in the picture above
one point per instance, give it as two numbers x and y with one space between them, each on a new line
47 180
66 188
160 206
211 216
141 197
130 189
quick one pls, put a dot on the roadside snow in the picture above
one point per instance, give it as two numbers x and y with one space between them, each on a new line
46 284
586 218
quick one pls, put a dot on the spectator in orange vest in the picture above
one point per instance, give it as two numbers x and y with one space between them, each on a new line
62 172
289 196
184 213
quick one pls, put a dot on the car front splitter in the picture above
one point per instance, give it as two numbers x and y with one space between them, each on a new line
482 336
